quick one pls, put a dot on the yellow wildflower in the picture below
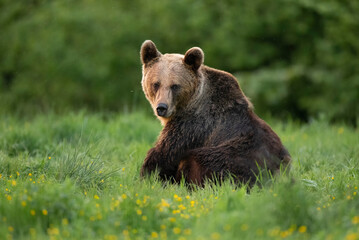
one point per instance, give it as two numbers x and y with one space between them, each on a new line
215 236
154 235
187 231
44 212
164 203
181 207
110 237
185 216
53 231
244 227
302 229
355 220
284 234
352 236
65 221
176 230
274 232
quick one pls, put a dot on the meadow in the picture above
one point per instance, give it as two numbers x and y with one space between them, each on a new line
76 176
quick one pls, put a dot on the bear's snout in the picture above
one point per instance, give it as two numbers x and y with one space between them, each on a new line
161 109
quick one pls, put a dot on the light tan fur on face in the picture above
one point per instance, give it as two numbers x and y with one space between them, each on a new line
167 71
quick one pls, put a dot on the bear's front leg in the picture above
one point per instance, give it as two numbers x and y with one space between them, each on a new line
148 166
176 139
151 162
159 160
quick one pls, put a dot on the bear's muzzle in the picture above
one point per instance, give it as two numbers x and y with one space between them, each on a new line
162 109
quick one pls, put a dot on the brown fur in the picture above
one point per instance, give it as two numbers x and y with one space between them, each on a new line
210 129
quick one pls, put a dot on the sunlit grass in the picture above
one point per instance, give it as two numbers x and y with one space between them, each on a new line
77 176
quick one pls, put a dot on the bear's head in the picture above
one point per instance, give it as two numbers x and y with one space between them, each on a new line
170 81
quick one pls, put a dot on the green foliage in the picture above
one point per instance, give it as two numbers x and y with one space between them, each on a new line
297 58
90 187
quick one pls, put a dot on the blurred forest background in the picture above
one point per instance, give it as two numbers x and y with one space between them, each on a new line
293 58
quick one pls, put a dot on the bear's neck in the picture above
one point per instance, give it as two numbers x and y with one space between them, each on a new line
217 92
200 96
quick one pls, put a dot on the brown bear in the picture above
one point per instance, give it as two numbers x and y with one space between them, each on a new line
210 130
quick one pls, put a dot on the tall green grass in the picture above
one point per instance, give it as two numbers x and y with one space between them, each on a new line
77 176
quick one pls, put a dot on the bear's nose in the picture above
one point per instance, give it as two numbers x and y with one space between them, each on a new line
162 109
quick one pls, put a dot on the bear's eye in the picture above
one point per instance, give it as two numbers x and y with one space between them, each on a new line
156 86
175 87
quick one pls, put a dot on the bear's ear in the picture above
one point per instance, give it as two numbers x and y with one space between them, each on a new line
149 52
194 57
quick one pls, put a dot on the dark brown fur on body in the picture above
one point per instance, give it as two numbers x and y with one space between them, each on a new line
210 129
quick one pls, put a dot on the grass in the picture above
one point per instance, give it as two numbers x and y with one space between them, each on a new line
77 177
